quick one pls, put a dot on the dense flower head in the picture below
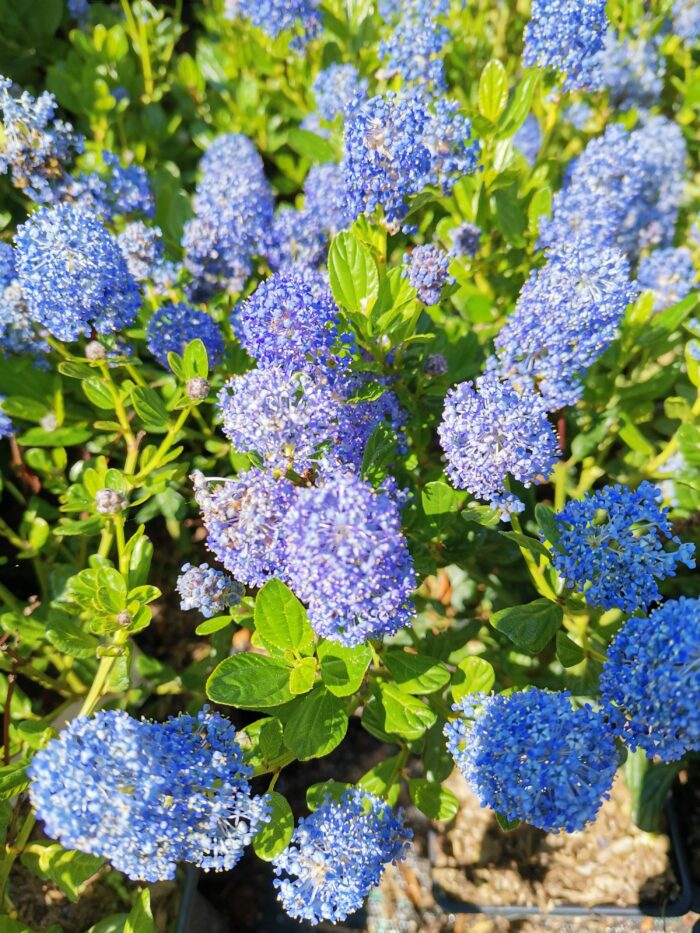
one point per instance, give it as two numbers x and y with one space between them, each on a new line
669 273
147 795
578 114
142 247
427 269
78 9
273 17
337 855
528 139
286 417
623 190
207 589
336 88
632 70
17 330
613 546
290 318
392 9
8 269
173 326
466 240
531 756
72 273
448 136
348 560
686 20
356 420
324 198
242 517
566 35
6 429
297 239
116 191
567 313
491 430
234 208
651 680
414 48
35 146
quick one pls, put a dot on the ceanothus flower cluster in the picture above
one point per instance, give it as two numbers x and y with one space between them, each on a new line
348 560
173 326
142 248
669 273
6 429
148 795
614 547
466 240
491 430
336 88
632 70
532 756
427 268
686 20
72 273
651 680
414 48
566 36
337 855
207 589
528 139
567 313
273 17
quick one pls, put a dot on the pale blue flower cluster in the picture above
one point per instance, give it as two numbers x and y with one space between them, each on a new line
490 431
414 48
686 20
6 429
669 273
148 795
211 591
651 680
427 268
337 855
528 139
142 248
336 88
173 326
632 70
273 17
532 756
614 547
566 35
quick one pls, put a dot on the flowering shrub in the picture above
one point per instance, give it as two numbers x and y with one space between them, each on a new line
364 339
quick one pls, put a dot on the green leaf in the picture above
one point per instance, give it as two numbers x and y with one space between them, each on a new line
433 799
30 409
437 761
140 919
649 784
379 453
13 779
267 750
530 627
507 826
314 147
439 498
520 105
59 437
250 681
353 273
568 652
66 634
150 408
404 715
416 673
549 526
98 393
510 215
215 624
317 793
281 619
303 675
316 726
343 669
67 869
473 675
535 547
195 362
274 835
493 90
689 443
377 780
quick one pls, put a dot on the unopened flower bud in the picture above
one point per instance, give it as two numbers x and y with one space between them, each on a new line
109 501
48 423
124 618
197 388
95 351
435 365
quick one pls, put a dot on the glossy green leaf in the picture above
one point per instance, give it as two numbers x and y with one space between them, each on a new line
434 800
473 675
493 90
250 681
281 619
353 273
416 673
274 835
316 726
343 669
530 627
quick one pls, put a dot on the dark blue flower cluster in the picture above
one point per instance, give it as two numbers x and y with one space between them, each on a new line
566 35
142 248
148 795
614 547
337 855
466 240
173 326
211 591
651 684
532 756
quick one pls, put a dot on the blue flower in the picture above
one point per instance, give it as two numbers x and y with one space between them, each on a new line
466 240
173 326
337 855
324 198
78 9
669 273
686 20
117 191
528 139
566 35
633 71
297 239
147 795
414 49
427 269
651 684
491 430
207 589
142 248
336 88
72 273
242 517
531 756
6 428
567 313
613 547
302 17
348 560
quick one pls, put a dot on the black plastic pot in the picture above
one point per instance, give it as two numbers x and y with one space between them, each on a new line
678 908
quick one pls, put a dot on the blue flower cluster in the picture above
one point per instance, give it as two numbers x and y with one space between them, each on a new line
336 88
427 269
528 139
348 560
632 70
297 240
207 589
531 756
6 429
234 208
686 20
148 795
491 430
72 273
142 248
650 682
118 190
669 273
17 332
567 313
337 855
466 240
173 326
302 17
566 35
613 547
414 48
